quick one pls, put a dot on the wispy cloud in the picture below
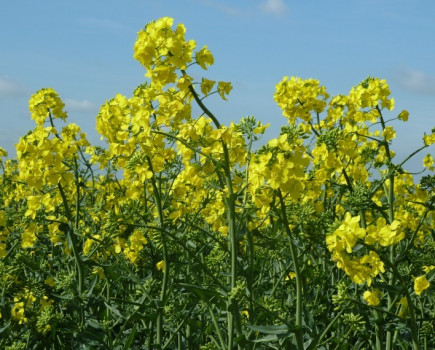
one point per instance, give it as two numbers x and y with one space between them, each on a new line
274 7
229 10
416 81
10 88
102 23
80 105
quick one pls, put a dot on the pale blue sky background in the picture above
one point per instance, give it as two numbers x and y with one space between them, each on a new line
83 49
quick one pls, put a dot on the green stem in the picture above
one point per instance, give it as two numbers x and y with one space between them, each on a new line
162 300
234 314
216 326
413 322
74 243
318 339
293 253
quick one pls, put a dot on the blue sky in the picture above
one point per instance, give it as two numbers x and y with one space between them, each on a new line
83 49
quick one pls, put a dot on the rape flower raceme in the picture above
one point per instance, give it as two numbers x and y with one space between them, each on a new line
428 162
18 312
383 234
298 98
236 222
44 102
389 133
345 237
429 139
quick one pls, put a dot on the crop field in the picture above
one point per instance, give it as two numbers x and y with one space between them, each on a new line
184 233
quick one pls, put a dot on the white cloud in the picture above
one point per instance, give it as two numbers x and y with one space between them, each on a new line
416 81
12 89
274 7
80 105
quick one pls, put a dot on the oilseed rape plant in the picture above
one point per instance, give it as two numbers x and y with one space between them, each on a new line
184 233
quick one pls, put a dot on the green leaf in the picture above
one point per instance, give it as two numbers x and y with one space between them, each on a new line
6 326
130 338
92 287
281 329
270 337
93 323
114 310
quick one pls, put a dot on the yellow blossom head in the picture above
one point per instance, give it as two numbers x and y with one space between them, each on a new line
372 298
420 284
46 103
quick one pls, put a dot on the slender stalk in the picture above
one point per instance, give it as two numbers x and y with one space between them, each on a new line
234 314
74 243
216 326
162 300
413 322
72 230
293 253
390 198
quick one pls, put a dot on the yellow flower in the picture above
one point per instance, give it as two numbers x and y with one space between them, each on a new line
297 98
420 284
224 88
428 268
29 237
389 133
429 139
98 270
161 265
206 86
46 102
2 218
346 236
384 234
50 281
45 301
372 298
18 312
403 304
428 162
403 115
204 58
261 128
3 152
291 275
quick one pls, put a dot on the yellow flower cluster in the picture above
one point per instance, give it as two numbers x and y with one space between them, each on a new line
44 104
281 167
344 239
299 98
23 301
170 174
370 93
